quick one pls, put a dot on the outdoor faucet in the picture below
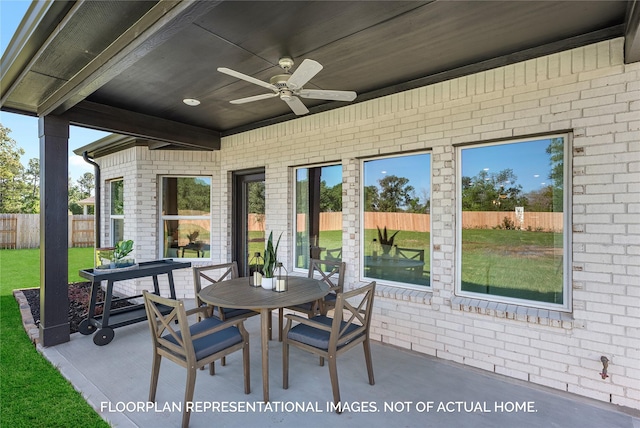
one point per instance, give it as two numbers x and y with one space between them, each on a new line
605 365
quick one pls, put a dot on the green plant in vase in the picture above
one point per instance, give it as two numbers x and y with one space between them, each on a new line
122 250
270 260
386 241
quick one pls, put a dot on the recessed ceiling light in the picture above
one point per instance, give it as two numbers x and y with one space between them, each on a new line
191 102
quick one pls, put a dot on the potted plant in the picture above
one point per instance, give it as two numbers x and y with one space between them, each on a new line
270 260
121 250
386 241
193 236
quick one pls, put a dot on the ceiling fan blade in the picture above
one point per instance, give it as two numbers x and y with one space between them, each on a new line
247 78
304 73
253 98
320 94
296 105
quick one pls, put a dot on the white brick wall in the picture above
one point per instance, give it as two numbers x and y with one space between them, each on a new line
589 91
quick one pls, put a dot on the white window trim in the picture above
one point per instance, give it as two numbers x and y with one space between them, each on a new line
114 216
567 304
185 217
386 282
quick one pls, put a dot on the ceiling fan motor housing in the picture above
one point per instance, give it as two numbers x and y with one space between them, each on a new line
280 81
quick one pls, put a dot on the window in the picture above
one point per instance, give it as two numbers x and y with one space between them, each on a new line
318 214
397 204
116 213
186 217
512 234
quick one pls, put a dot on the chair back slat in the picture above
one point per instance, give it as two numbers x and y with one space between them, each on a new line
222 272
162 325
411 253
342 327
332 273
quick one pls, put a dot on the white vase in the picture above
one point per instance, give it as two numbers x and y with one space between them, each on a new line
267 283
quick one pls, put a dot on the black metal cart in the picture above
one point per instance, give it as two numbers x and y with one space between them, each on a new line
114 318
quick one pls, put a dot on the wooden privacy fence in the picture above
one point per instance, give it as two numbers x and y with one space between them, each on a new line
535 221
23 231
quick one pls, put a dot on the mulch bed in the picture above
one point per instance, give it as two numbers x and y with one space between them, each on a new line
79 296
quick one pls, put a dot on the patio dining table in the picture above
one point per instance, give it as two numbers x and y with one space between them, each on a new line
237 293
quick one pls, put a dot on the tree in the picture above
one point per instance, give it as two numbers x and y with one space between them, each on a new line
371 198
556 175
330 197
256 197
492 192
395 193
86 183
10 172
79 191
31 181
541 200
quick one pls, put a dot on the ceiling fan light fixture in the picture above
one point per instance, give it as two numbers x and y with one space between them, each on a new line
285 95
286 63
191 102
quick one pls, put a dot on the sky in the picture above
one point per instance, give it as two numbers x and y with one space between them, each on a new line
24 129
528 160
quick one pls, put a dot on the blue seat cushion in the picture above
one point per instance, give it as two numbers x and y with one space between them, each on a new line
331 297
319 338
231 313
212 343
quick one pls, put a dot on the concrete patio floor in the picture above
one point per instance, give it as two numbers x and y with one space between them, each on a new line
411 390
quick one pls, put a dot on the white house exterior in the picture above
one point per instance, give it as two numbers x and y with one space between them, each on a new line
586 93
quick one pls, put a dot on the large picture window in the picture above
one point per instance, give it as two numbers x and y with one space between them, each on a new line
116 211
512 234
186 217
318 214
397 224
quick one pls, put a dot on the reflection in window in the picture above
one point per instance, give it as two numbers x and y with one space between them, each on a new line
256 219
318 214
512 222
186 217
116 213
397 204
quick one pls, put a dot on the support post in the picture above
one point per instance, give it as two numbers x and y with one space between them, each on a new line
54 230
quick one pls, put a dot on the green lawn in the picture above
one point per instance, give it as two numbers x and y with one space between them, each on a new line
32 392
513 263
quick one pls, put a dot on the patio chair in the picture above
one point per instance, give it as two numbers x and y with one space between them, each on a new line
333 275
213 274
330 337
412 254
194 346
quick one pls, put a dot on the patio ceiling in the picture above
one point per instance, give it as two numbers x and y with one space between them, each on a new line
125 66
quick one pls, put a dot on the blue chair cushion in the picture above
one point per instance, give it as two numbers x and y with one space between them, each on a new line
315 337
212 343
331 297
231 313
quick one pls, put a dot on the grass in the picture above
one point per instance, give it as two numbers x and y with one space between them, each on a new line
513 263
33 393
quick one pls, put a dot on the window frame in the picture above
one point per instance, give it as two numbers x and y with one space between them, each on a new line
162 218
113 216
294 171
361 270
567 229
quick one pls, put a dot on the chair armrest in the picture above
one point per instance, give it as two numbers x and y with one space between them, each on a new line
202 309
226 324
308 322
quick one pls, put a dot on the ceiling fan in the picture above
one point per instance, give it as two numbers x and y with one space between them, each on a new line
290 86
